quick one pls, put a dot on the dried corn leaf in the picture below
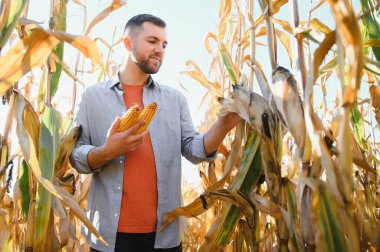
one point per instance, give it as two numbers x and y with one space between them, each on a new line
285 40
277 4
4 229
375 95
321 52
207 44
116 4
235 198
224 13
199 76
349 34
34 50
319 4
284 25
66 147
319 26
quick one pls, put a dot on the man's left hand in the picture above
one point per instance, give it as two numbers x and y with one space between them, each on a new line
229 120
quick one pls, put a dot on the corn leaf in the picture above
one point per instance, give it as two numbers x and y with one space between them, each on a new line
295 236
248 174
349 34
371 22
11 12
285 41
231 68
321 52
224 13
319 26
4 230
332 234
60 25
24 188
48 152
277 4
65 148
34 50
116 4
358 125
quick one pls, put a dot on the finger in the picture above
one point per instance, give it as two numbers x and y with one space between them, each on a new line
134 127
134 146
114 126
136 138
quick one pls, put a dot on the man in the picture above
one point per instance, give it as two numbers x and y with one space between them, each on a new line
137 178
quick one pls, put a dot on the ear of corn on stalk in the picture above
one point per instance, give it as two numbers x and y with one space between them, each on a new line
134 115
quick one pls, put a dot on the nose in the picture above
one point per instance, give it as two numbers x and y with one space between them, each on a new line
159 48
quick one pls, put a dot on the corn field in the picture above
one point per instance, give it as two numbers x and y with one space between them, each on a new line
299 173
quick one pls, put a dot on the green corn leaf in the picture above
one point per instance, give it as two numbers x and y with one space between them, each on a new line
292 207
371 22
358 124
48 152
231 69
332 234
60 26
248 174
15 9
24 188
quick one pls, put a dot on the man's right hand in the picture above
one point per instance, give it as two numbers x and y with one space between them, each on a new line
117 143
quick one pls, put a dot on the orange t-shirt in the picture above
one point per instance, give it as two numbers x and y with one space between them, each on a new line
138 212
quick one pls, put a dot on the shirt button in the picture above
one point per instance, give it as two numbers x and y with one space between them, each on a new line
115 214
119 187
121 161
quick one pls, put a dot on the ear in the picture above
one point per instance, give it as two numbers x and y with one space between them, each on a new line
127 43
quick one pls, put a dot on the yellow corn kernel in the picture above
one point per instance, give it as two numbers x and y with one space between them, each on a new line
146 115
129 118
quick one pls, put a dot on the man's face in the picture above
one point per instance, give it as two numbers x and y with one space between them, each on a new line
148 47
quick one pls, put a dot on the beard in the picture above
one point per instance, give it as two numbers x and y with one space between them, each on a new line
147 67
145 63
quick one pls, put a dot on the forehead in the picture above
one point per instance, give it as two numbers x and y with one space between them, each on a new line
149 29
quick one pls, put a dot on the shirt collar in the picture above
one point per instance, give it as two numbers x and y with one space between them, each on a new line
115 81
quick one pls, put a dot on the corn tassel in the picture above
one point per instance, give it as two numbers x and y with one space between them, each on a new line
146 115
129 118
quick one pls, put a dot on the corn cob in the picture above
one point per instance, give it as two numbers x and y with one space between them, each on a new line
129 118
146 115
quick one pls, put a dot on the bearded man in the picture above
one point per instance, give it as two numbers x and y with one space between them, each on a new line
137 178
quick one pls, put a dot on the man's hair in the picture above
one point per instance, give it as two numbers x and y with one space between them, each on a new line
138 20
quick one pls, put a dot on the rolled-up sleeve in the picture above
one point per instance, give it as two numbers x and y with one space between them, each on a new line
192 146
78 157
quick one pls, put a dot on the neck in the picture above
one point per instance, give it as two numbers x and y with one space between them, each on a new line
131 74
